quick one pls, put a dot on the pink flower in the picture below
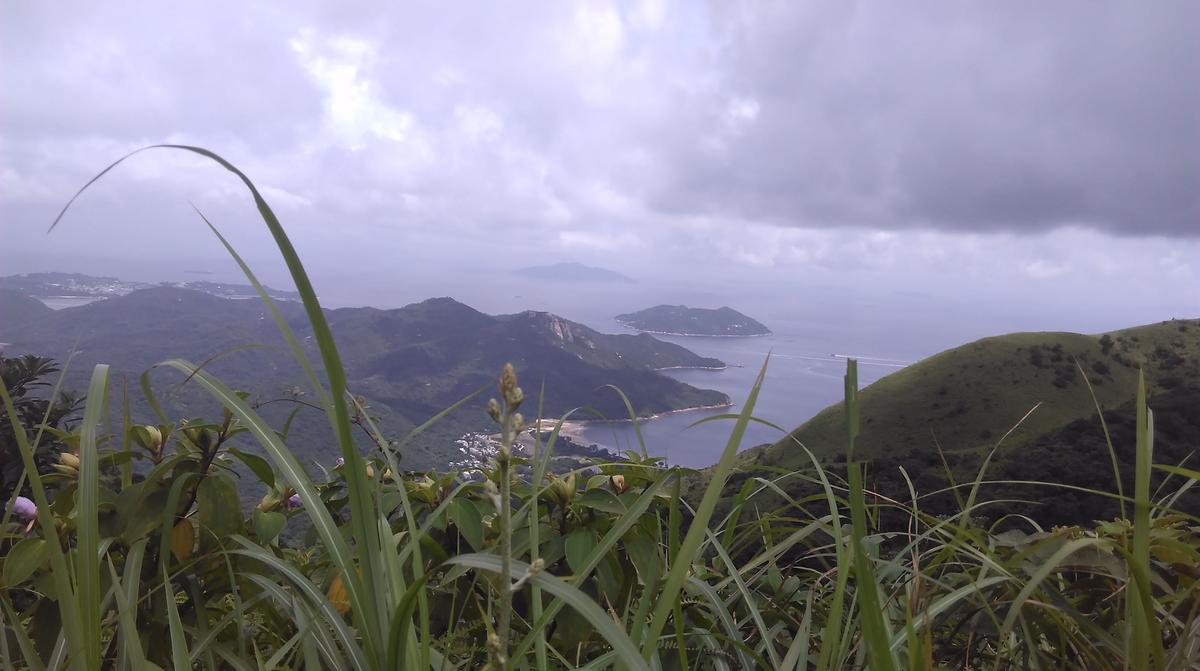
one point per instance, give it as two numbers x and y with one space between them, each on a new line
24 509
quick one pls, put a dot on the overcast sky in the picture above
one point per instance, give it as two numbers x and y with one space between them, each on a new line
1031 151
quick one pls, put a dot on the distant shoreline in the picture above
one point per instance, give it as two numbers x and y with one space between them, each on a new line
693 367
574 428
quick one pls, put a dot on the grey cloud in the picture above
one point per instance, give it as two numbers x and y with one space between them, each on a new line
964 116
131 71
594 126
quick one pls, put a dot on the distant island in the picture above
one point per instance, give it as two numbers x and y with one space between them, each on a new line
682 320
573 272
78 285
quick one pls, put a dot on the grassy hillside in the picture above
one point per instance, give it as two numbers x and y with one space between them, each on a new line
968 397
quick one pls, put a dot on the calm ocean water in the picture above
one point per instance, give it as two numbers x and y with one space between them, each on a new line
63 302
803 377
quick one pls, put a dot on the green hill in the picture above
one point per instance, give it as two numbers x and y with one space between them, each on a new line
965 400
410 363
968 397
17 307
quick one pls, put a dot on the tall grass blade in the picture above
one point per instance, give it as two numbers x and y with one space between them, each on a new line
1144 641
179 649
127 623
132 584
288 335
633 419
866 588
87 563
29 655
691 543
1112 451
583 604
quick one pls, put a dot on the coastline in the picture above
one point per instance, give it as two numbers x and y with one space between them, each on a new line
694 367
574 428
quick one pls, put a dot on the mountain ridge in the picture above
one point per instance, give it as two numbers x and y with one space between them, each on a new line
410 362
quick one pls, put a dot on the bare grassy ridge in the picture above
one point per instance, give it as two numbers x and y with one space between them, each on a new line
966 398
605 568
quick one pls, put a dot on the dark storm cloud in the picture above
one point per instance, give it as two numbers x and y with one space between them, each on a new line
728 131
961 116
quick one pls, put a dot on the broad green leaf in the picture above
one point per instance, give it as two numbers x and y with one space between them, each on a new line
469 522
643 552
602 500
268 525
140 513
261 467
219 510
22 560
579 544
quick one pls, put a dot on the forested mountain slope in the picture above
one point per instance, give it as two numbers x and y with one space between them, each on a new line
410 363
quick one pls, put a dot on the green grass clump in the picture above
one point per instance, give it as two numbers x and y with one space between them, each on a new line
606 566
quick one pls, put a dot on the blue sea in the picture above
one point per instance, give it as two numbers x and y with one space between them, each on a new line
803 376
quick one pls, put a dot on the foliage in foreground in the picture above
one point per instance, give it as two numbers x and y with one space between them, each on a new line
163 566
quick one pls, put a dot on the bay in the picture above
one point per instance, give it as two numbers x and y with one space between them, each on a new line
804 375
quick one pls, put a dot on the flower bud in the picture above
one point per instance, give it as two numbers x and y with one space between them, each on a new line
618 484
508 379
269 501
24 510
515 397
68 459
154 438
562 490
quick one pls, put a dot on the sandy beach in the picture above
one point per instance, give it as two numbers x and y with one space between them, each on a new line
574 428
